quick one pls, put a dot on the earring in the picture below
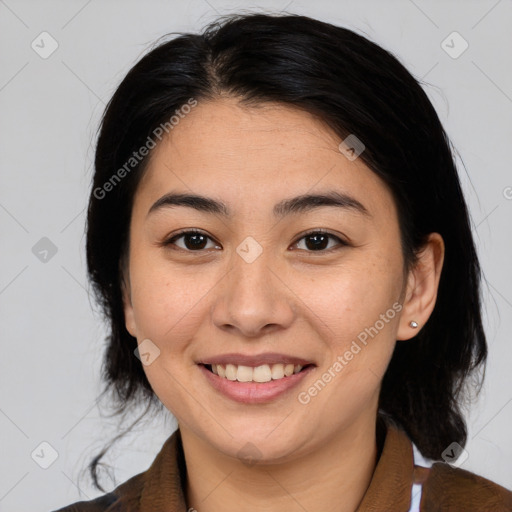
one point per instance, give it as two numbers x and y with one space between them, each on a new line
413 324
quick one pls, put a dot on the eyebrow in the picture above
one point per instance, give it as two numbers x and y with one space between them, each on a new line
300 204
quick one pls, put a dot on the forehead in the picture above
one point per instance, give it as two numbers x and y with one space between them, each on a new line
256 154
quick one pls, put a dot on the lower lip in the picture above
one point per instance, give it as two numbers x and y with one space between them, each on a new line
254 392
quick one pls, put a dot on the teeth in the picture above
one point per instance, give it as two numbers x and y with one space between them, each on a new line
263 373
231 372
277 371
244 374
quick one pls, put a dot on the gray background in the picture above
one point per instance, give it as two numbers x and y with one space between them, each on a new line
52 334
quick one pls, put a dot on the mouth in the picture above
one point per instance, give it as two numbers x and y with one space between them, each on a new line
261 374
255 379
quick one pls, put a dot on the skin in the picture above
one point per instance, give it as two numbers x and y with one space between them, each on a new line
312 304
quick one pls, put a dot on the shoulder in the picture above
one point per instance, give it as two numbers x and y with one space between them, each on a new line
99 504
119 499
447 488
162 478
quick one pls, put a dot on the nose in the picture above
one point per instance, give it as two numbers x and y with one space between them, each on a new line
253 299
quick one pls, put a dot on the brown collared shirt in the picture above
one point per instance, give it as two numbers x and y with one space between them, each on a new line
399 484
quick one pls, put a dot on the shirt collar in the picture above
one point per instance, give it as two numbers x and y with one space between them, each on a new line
389 489
391 483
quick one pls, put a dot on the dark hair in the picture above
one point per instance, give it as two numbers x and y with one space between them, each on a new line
355 87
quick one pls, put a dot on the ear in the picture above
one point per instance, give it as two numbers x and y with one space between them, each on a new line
129 316
422 286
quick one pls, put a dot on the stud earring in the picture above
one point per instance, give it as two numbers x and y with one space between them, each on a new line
413 324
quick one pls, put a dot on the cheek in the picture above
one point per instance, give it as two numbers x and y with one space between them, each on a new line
360 307
166 302
357 315
353 299
168 309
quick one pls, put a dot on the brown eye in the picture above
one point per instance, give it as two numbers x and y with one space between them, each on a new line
319 241
192 241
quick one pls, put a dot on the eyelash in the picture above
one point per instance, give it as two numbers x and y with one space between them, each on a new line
181 234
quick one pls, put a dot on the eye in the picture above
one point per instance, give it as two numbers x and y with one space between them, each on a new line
196 241
318 241
193 241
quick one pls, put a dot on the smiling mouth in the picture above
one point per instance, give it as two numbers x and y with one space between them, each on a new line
263 373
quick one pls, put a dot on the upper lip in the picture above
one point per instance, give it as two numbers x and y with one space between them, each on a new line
256 360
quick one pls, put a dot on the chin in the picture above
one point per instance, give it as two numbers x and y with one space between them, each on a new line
253 444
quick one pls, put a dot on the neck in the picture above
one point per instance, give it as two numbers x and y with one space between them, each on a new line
334 476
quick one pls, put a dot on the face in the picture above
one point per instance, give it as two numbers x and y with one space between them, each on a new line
263 282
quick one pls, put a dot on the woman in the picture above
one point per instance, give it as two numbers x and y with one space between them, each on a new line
277 234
